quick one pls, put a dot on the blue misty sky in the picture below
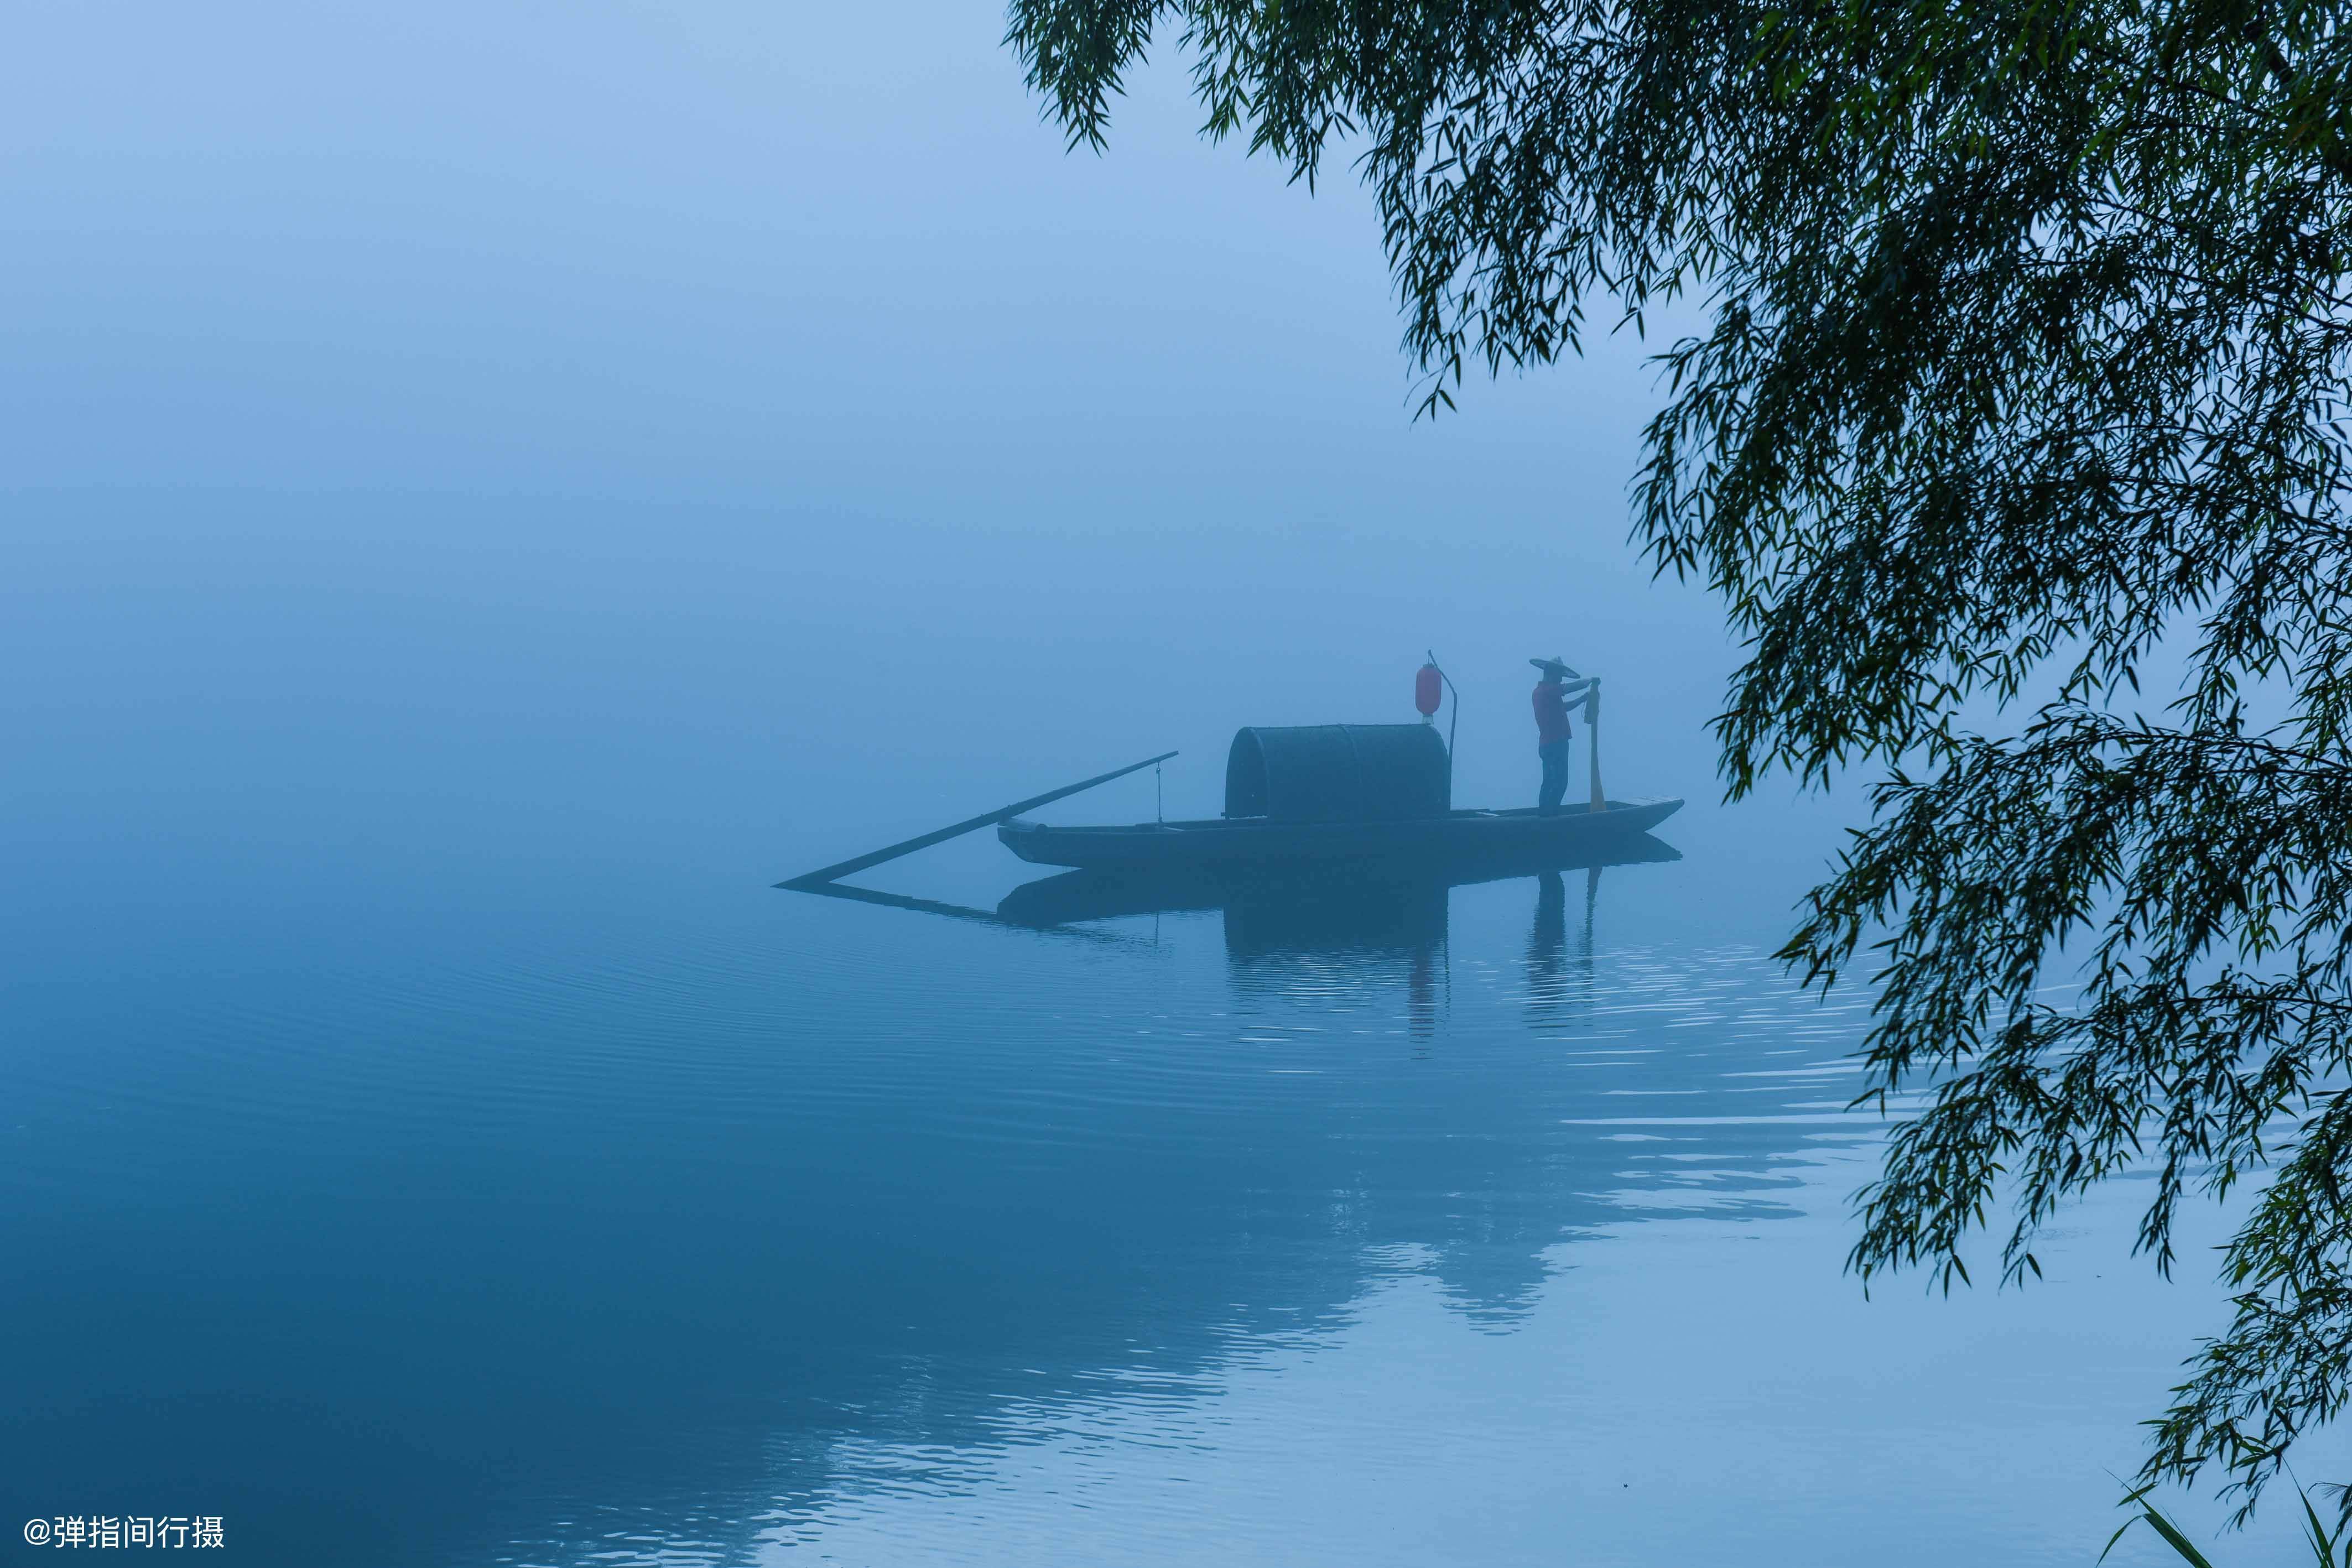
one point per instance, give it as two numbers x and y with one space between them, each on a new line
445 441
822 253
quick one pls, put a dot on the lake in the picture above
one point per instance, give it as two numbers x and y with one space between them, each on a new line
431 1140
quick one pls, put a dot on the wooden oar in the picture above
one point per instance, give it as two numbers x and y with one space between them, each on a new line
1593 742
828 874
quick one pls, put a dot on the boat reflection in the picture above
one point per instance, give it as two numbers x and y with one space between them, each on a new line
1305 928
1399 902
1293 931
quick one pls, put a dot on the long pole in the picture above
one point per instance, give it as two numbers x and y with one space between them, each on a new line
1453 723
954 911
828 874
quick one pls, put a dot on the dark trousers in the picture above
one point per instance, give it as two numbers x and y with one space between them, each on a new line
1555 777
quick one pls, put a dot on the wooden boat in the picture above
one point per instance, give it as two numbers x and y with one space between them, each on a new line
1315 795
1523 834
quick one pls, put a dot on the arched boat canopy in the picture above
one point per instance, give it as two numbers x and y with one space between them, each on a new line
1338 773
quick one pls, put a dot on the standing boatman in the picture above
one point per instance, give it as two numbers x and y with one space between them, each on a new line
1552 692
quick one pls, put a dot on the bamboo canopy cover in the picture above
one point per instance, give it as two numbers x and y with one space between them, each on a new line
1338 773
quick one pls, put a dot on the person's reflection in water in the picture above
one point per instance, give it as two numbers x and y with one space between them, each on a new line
1547 949
1420 994
1551 985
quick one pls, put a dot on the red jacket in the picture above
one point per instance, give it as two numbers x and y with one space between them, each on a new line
1551 713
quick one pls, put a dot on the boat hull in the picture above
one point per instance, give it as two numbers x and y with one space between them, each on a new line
1574 832
1072 897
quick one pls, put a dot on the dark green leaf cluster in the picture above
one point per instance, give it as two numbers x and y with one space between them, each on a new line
2329 1548
2023 357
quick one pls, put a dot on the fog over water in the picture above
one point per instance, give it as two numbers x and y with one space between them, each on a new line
490 490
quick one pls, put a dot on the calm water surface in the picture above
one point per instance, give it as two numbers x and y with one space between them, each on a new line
430 1142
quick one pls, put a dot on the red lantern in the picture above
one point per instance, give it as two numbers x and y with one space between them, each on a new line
1427 689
